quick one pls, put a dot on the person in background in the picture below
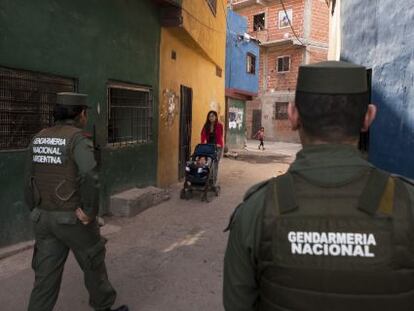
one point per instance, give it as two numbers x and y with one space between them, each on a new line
260 136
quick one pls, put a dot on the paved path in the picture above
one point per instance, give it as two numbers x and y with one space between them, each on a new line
168 258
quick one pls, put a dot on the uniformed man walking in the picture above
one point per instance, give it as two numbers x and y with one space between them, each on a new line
63 193
333 233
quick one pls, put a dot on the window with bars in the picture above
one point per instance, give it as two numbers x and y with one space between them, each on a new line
26 104
130 114
251 63
259 22
213 6
281 110
283 64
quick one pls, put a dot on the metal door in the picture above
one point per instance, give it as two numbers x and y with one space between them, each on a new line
185 129
257 121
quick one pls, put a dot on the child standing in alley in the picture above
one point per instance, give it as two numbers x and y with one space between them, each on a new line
260 136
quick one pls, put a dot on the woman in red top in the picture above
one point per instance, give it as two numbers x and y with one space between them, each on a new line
212 132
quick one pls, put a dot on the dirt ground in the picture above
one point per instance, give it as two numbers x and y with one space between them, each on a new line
169 257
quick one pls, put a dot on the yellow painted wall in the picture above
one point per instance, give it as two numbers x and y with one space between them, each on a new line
207 30
199 50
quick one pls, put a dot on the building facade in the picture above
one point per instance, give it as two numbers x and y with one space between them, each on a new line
291 33
192 62
106 49
383 43
242 77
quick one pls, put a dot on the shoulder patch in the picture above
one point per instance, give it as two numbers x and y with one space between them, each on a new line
255 188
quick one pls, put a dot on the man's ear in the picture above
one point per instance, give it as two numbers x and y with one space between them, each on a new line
293 115
369 117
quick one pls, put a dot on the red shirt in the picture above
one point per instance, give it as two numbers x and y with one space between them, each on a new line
219 135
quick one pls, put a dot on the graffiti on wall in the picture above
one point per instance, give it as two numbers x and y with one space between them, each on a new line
236 118
169 108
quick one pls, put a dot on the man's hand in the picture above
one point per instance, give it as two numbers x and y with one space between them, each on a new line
83 218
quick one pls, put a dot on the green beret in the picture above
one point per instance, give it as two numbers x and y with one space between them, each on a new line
332 77
72 99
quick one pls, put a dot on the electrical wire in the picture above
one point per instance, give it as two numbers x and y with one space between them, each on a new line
290 23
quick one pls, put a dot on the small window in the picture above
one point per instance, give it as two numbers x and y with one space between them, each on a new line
285 18
26 104
259 22
283 64
213 6
173 55
130 114
281 110
251 63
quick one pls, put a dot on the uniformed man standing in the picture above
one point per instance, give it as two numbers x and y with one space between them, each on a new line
333 233
63 193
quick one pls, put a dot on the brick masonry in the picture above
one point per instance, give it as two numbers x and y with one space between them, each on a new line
280 87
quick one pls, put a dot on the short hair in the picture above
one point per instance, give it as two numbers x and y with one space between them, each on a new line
66 112
331 117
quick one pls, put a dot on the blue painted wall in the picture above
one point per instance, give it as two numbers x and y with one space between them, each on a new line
236 51
385 43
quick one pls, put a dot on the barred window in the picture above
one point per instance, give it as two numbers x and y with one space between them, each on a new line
251 63
281 110
213 6
283 64
130 114
26 104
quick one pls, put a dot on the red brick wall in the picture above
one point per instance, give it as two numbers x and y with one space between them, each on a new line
317 55
287 80
272 18
320 21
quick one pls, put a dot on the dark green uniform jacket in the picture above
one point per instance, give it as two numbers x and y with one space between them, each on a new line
63 177
323 237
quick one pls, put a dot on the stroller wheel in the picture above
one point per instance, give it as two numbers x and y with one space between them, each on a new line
186 194
217 190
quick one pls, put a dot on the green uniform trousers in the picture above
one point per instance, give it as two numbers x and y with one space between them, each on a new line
56 233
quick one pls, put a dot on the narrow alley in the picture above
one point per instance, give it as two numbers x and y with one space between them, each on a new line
169 257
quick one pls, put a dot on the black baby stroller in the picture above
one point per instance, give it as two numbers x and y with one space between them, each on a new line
201 172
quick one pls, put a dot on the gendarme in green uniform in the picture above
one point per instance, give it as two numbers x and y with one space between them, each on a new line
334 233
62 179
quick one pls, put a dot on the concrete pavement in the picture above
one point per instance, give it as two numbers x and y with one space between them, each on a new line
169 257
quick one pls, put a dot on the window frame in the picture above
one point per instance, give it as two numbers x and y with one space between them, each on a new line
252 63
37 79
280 116
264 20
213 7
130 87
277 64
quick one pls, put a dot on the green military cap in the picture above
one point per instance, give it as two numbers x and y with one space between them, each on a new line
332 77
72 99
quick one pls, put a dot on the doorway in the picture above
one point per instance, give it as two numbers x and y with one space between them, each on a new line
185 129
